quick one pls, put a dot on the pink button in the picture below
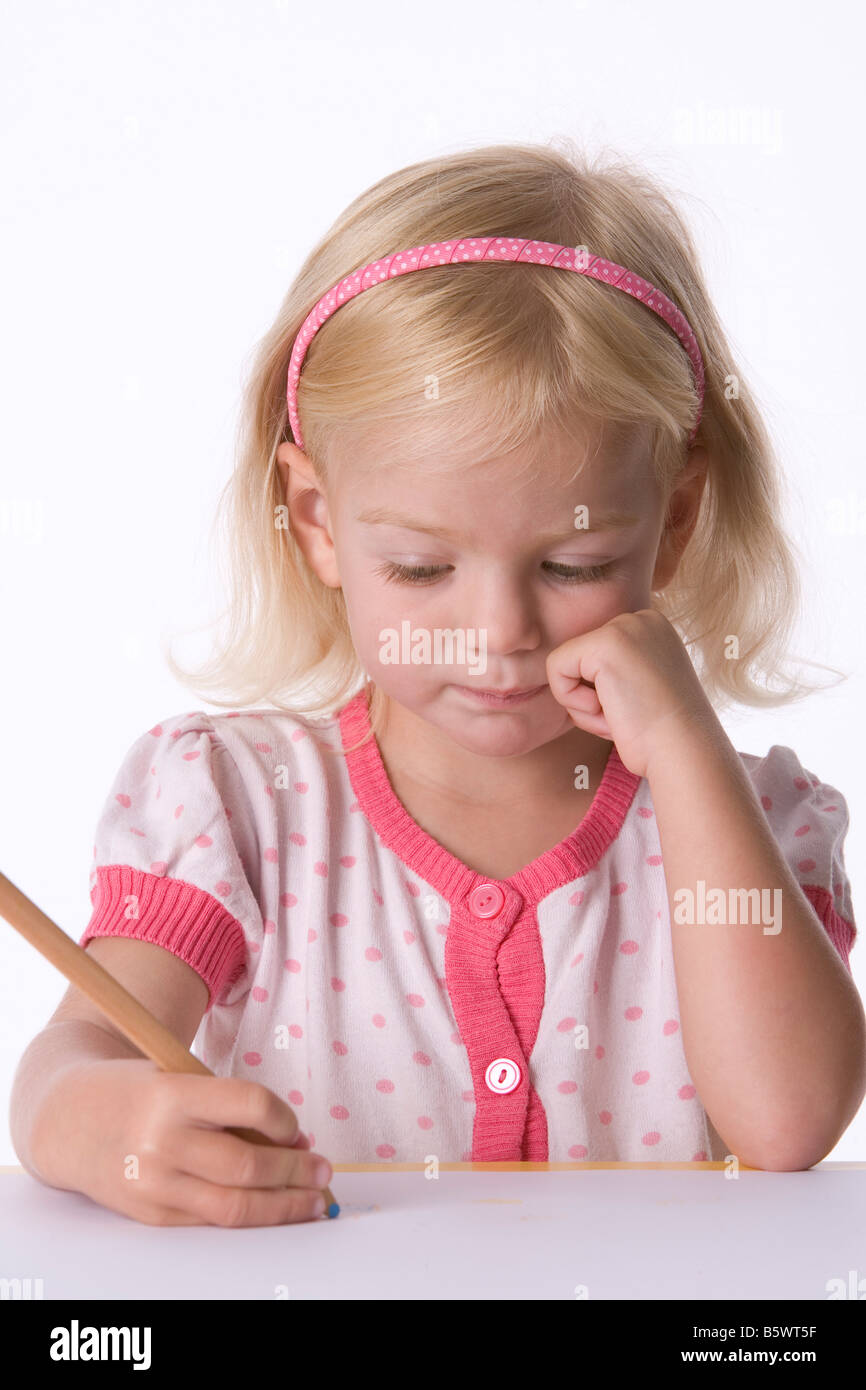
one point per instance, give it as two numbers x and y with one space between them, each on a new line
486 900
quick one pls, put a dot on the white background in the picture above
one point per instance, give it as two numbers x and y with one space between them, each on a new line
165 169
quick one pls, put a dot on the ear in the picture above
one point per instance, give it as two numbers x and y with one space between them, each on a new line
309 518
681 516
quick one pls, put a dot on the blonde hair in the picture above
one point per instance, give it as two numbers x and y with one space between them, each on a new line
518 349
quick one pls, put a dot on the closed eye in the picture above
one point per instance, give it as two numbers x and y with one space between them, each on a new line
428 574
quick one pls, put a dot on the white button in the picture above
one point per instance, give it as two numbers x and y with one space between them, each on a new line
502 1076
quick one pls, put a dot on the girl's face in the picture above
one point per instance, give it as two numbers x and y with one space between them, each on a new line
488 569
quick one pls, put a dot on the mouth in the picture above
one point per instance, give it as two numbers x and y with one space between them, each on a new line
501 697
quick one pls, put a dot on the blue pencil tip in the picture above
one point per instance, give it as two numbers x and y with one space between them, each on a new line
333 1210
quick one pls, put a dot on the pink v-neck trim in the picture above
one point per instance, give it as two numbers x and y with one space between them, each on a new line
570 859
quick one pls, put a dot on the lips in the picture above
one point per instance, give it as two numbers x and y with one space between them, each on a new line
499 697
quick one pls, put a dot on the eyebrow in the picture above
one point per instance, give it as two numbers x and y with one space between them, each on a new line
602 521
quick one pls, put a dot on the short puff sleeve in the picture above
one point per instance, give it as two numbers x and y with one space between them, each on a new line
809 820
168 864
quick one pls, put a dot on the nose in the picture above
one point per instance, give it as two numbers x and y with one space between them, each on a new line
505 609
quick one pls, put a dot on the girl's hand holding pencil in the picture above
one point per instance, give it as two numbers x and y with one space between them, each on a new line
159 1137
153 1145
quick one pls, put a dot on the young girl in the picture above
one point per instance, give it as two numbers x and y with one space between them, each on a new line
485 880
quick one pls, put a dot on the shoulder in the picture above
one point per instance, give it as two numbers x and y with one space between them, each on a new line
784 785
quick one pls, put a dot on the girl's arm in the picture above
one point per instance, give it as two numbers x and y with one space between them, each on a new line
773 1026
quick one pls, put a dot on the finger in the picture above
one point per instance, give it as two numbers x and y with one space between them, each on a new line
199 1202
585 699
230 1101
224 1158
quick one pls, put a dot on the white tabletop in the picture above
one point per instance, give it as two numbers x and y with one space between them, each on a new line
631 1231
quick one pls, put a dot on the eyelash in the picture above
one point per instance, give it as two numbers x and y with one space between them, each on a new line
426 574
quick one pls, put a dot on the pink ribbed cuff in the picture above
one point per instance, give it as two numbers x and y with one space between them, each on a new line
179 917
840 931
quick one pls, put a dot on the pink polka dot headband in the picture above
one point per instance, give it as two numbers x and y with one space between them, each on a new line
465 252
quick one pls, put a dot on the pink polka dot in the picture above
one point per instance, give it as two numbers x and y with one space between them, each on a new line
190 757
806 866
385 1151
408 937
652 1138
156 730
287 900
270 926
337 984
320 868
158 867
295 1030
338 1112
379 899
178 811
312 934
372 954
671 1026
801 784
700 1156
123 799
577 1151
628 948
468 1095
416 1000
413 889
348 861
296 1097
302 787
424 1122
578 958
298 734
386 1087
634 1012
378 1021
686 1092
422 1059
617 889
263 747
337 919
654 860
340 1048
599 1052
297 838
456 1038
605 1117
567 1088
565 1025
133 831
222 888
767 803
203 841
293 966
271 856
253 1059
803 830
259 994
644 811
640 1078
576 899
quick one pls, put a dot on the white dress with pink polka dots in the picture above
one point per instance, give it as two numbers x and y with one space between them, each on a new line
401 1003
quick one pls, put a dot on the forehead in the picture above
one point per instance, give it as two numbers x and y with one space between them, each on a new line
604 467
